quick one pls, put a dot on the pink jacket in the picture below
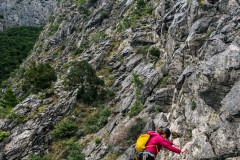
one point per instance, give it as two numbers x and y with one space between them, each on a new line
157 139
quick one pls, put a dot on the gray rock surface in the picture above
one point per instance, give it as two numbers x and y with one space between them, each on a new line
192 88
25 12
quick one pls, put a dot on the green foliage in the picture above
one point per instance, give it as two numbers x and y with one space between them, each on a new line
194 105
99 37
83 77
36 157
135 109
201 2
135 130
83 8
143 49
83 46
4 134
154 52
142 9
15 44
73 151
157 108
53 28
95 122
104 14
8 99
141 3
136 80
38 77
65 129
97 140
81 2
164 80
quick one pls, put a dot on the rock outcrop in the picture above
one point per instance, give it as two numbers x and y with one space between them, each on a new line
191 85
25 12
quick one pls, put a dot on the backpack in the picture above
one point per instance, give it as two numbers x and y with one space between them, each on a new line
141 142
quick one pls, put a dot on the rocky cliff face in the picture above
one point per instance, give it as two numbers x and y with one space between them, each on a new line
190 83
25 12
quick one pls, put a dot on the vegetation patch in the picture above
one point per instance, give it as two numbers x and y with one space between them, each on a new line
164 80
65 149
37 77
54 27
4 134
15 45
137 107
8 101
154 52
98 37
193 105
95 121
143 49
83 77
97 140
65 129
142 9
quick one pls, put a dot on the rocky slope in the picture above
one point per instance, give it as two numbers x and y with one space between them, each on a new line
25 12
191 84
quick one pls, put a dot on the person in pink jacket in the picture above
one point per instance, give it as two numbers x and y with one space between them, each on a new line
156 142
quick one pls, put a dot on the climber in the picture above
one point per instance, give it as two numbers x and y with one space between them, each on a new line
156 141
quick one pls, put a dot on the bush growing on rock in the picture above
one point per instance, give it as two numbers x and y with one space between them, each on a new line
4 134
65 129
73 151
38 77
154 52
95 122
36 157
8 99
83 77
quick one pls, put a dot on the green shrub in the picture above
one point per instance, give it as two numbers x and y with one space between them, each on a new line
194 105
15 45
141 3
143 50
136 80
154 52
83 46
97 140
96 121
8 99
36 157
38 77
83 77
65 129
164 80
99 37
73 151
53 28
4 134
135 109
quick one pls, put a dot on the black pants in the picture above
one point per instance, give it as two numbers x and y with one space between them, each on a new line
145 156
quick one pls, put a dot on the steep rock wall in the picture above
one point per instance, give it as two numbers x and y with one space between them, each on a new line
25 12
192 87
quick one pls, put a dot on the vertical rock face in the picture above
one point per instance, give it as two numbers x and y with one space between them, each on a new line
25 12
192 86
